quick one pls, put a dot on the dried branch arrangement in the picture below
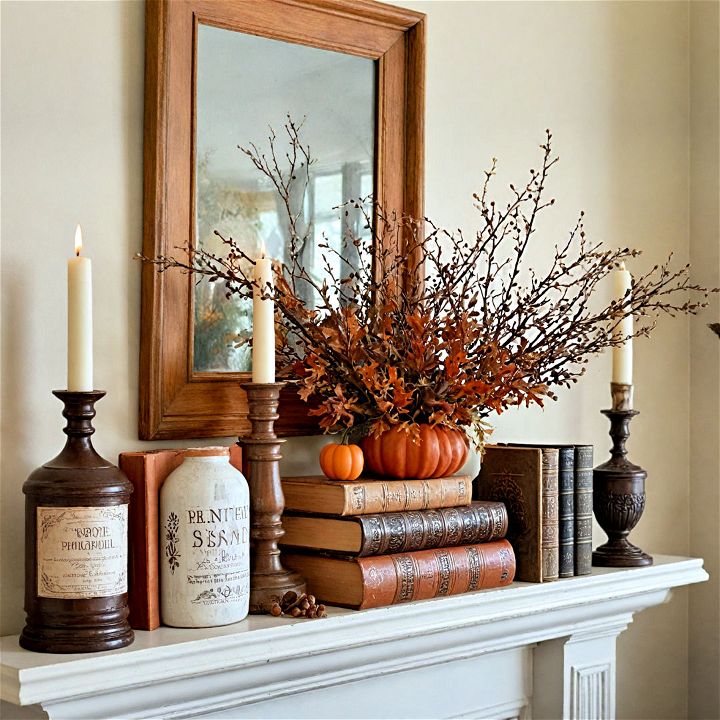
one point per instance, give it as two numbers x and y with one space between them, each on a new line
430 326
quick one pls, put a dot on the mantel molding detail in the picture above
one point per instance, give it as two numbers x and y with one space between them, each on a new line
572 624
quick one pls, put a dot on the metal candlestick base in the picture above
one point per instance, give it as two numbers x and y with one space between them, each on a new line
269 580
619 496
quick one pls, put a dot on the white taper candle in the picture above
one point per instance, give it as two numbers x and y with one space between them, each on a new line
80 330
623 354
263 347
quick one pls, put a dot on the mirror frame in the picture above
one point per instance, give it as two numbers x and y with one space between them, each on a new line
175 401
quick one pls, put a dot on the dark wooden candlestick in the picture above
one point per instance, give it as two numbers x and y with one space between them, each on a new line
76 543
619 491
269 580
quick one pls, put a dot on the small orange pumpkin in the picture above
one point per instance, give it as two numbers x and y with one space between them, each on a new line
342 462
437 451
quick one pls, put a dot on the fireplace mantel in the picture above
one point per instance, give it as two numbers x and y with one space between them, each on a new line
546 650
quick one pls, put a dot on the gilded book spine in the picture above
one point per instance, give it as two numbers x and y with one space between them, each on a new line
382 496
392 579
583 508
418 530
550 522
566 503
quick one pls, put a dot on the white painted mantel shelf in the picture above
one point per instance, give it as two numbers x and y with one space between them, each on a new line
546 651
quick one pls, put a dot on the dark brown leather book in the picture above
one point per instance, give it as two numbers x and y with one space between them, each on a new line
389 579
147 472
386 533
583 508
525 479
317 494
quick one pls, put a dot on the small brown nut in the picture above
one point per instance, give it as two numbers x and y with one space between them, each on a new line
311 612
304 604
295 612
300 599
275 610
311 599
321 608
289 598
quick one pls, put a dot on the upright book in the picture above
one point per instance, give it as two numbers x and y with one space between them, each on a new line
566 505
526 480
315 494
389 579
386 533
583 508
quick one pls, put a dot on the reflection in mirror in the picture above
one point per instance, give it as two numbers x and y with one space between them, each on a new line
244 84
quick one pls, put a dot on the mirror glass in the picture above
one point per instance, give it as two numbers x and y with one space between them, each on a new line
244 85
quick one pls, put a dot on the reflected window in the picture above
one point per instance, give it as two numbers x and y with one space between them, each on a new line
244 84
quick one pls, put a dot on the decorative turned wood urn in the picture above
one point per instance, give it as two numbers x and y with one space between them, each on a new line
619 498
76 543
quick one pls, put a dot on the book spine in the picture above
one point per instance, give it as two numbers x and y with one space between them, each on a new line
419 530
566 510
382 496
550 517
583 509
404 577
144 608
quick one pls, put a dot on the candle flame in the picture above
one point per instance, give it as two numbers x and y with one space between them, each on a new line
78 240
263 252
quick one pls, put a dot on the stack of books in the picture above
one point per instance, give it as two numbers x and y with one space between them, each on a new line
369 543
548 494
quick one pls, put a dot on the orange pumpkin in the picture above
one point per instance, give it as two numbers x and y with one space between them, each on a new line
437 452
341 462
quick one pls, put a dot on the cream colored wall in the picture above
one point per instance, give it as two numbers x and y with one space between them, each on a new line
609 78
705 357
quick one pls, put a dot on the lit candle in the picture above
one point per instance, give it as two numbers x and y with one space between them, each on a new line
263 347
623 354
80 332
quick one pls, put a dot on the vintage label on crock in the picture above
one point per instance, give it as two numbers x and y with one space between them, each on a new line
82 551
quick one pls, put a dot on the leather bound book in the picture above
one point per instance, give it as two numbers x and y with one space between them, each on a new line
514 476
551 516
583 508
566 505
566 509
390 579
317 494
147 472
387 533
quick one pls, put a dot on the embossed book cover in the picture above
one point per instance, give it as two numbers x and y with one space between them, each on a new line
403 577
514 476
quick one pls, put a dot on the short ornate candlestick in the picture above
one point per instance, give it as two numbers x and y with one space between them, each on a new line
269 580
76 535
619 490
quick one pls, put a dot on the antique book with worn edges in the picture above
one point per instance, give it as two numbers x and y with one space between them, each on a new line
317 494
566 505
386 533
147 472
583 508
566 509
525 479
381 580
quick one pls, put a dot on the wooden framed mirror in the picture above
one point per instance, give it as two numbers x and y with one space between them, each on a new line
215 71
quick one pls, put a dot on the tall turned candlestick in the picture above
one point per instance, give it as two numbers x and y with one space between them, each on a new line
619 490
76 543
269 580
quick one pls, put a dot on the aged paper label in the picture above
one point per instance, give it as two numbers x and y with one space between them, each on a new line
82 551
